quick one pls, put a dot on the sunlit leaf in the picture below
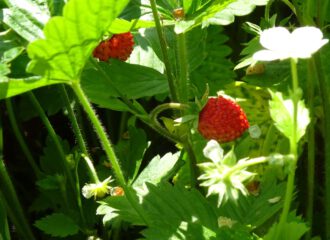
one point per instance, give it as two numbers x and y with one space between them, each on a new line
158 169
27 17
70 40
281 111
12 86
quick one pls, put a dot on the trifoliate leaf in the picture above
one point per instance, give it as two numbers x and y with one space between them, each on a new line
57 225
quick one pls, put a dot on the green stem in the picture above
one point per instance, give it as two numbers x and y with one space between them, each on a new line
311 147
134 110
267 10
290 5
164 47
20 138
106 144
76 129
192 163
10 199
293 150
54 137
325 95
162 107
183 68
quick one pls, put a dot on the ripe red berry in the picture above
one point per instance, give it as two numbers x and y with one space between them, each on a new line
119 46
222 119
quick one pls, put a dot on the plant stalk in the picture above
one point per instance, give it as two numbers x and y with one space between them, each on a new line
20 138
106 144
293 151
10 199
164 47
183 83
53 136
81 142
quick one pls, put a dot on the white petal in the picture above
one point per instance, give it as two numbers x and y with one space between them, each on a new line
213 151
305 41
267 55
275 39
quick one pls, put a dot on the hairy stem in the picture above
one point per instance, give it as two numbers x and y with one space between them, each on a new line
82 145
106 144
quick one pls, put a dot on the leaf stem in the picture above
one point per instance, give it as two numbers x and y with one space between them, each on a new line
82 145
164 47
53 136
20 138
136 111
183 68
293 150
106 144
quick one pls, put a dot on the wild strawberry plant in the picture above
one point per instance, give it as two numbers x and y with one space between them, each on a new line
204 119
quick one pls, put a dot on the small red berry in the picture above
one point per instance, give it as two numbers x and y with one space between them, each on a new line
119 46
222 119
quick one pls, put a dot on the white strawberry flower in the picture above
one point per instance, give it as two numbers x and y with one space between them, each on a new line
281 44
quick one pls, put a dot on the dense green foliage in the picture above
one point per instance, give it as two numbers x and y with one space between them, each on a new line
111 150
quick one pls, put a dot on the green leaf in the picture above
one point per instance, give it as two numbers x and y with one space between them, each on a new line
50 182
140 82
13 86
294 229
27 17
216 70
70 40
174 213
57 225
225 16
130 151
118 207
256 210
157 170
49 100
122 25
56 7
281 111
49 161
143 53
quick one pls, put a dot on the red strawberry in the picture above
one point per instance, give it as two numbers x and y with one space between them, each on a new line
119 46
222 119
